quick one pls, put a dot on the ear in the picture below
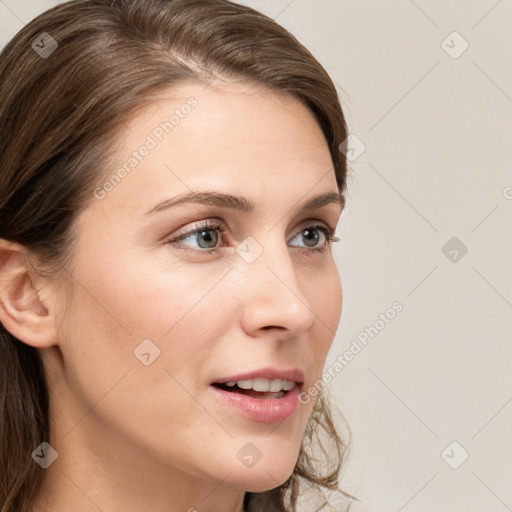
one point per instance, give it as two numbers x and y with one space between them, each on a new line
22 311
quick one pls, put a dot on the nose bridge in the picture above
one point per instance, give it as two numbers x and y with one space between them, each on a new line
273 295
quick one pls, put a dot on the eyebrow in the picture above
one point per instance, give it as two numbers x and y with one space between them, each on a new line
240 203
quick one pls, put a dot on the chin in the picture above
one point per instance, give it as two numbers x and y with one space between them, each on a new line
261 479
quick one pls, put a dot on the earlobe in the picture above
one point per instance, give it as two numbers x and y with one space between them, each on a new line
22 311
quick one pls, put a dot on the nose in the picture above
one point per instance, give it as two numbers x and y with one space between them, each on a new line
273 296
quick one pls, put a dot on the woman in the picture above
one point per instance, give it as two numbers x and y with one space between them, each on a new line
170 186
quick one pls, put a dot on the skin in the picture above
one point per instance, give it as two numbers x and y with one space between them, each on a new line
135 437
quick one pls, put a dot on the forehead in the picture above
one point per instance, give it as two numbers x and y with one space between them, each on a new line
196 119
232 137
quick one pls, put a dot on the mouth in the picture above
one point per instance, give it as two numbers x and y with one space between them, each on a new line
266 395
258 388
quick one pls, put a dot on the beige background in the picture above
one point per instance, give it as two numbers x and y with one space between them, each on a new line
435 124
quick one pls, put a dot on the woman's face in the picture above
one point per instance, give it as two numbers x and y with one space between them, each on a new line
153 322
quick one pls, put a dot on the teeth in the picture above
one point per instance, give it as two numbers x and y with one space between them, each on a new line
263 385
245 384
276 385
288 385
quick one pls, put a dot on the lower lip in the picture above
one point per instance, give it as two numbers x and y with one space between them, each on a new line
264 410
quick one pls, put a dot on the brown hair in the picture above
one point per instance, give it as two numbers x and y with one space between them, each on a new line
67 81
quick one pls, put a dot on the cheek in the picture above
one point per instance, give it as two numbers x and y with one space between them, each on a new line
115 308
144 299
325 299
329 296
122 311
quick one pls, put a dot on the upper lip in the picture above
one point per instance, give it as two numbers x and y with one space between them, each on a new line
293 375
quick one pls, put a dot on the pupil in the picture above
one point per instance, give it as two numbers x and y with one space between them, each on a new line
315 236
206 235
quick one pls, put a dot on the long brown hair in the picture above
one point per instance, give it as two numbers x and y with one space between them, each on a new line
67 81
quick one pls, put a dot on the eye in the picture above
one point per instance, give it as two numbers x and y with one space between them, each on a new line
206 235
313 235
203 235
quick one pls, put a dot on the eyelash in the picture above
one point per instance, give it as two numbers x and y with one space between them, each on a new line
210 225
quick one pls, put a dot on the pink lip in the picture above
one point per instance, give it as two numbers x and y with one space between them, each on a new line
293 375
263 410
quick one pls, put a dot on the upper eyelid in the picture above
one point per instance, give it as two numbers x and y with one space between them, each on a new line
223 225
